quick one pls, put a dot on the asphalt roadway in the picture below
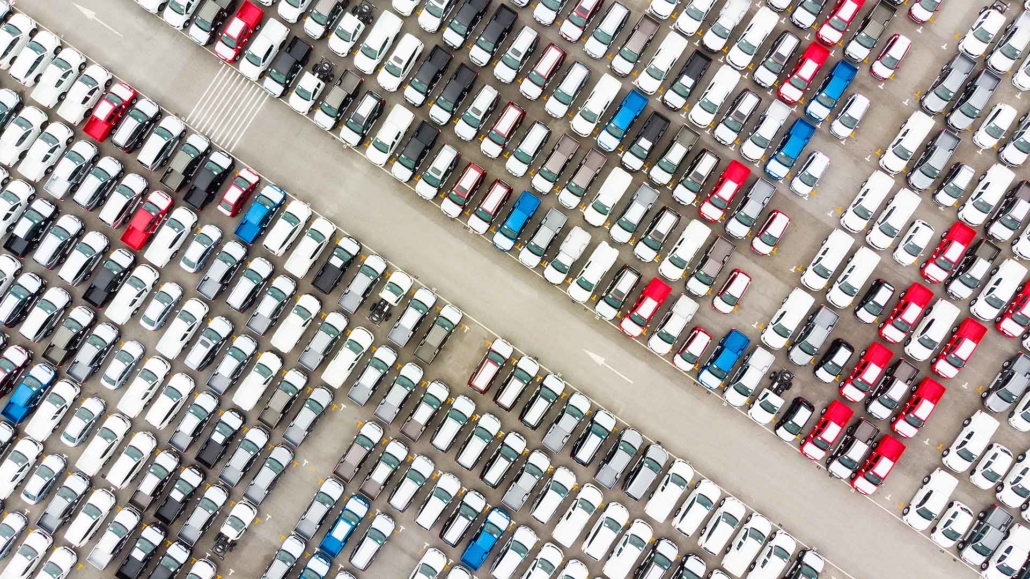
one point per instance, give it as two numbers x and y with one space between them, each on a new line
856 535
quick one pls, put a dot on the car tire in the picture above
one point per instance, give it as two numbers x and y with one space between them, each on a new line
1000 488
1021 457
945 452
107 84
904 511
961 545
926 479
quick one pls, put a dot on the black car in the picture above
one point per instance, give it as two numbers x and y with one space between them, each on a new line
832 362
415 151
209 18
331 272
225 431
338 99
185 162
493 35
687 79
30 227
644 143
464 22
427 75
452 95
174 559
361 119
69 335
109 279
209 179
287 65
799 407
141 553
190 478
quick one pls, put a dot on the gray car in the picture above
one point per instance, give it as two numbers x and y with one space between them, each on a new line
537 464
375 370
367 277
412 316
618 458
971 104
272 304
813 336
283 397
269 474
232 364
933 161
568 419
65 499
318 509
985 536
370 435
244 456
744 217
947 84
442 328
204 513
93 351
646 470
403 385
204 406
222 269
329 332
285 558
312 410
1009 385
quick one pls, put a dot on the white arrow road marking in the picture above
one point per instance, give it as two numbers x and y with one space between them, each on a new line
91 15
599 360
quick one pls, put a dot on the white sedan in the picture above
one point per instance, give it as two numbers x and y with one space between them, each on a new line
85 93
20 134
182 328
102 447
292 327
171 236
15 467
310 247
51 410
282 235
58 78
174 396
29 554
35 57
131 295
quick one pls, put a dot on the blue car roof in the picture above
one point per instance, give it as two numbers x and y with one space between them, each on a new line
631 107
527 203
736 341
840 78
797 137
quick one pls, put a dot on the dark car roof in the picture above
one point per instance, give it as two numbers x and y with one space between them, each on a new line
437 60
654 127
470 9
350 81
298 49
500 23
696 65
460 81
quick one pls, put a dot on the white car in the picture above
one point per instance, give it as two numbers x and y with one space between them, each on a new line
71 168
16 465
981 34
447 488
14 35
179 13
51 410
586 502
992 467
604 532
83 420
160 307
182 328
131 461
306 92
122 201
59 564
262 49
14 199
930 500
158 147
285 231
90 517
720 527
664 498
115 537
28 67
104 443
29 555
696 507
44 315
253 386
774 557
1012 492
746 544
693 15
346 359
310 247
971 441
400 62
913 243
19 135
994 126
346 34
293 325
201 247
849 117
171 236
84 94
144 386
131 295
953 525
40 158
629 548
172 398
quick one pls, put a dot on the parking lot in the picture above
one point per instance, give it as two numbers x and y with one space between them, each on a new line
515 303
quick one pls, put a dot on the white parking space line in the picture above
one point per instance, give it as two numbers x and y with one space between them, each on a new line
227 108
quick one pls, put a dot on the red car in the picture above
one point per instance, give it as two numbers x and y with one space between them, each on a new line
795 85
1016 318
494 359
837 21
959 348
918 409
826 432
109 111
726 188
147 219
652 298
692 349
236 34
238 192
948 253
878 466
911 305
867 372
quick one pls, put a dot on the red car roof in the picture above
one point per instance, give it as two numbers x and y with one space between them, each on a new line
878 354
930 389
657 290
736 172
961 233
250 14
890 447
838 413
972 329
816 52
919 294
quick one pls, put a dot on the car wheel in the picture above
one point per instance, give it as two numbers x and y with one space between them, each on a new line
904 511
983 566
984 395
60 97
1021 457
980 516
107 84
960 545
926 479
48 170
999 488
966 422
945 452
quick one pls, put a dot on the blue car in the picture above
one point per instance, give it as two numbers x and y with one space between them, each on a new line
478 549
350 517
722 360
260 213
790 149
518 217
629 110
828 95
28 393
